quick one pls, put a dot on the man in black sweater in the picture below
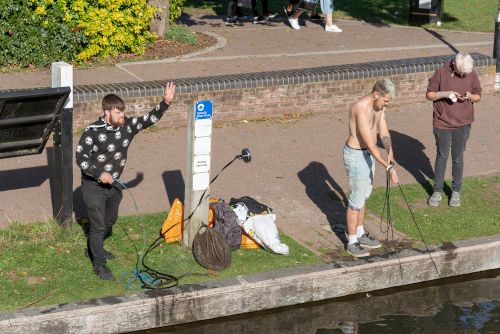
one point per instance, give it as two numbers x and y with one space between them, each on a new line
101 155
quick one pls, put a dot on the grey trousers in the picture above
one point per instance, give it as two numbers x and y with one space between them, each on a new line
456 139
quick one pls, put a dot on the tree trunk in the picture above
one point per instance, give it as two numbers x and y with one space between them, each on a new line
160 23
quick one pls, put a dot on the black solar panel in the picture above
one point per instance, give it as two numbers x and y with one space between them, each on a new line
27 118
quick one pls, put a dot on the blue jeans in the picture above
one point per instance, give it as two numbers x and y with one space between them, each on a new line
360 167
326 6
456 139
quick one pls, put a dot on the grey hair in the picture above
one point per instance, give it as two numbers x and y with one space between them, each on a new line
385 87
464 62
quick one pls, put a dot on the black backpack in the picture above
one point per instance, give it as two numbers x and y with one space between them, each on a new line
226 223
254 207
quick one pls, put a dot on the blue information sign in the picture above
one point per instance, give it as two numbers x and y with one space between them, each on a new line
203 109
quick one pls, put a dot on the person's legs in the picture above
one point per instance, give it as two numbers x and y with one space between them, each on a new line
327 9
443 143
358 173
255 11
95 202
294 19
231 5
458 144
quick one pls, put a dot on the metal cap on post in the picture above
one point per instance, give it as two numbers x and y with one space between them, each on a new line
62 203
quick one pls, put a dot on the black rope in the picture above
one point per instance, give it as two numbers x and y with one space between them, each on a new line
149 277
418 229
386 210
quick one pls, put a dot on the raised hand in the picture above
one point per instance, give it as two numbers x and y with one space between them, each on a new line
168 96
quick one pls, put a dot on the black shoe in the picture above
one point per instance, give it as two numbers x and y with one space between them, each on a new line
104 273
229 21
270 16
107 255
258 19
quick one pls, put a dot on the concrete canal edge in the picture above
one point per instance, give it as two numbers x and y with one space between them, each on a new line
257 292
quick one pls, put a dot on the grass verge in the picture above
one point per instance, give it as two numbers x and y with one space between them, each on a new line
465 15
43 264
479 214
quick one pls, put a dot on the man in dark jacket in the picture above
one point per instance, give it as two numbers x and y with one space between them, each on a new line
453 89
101 155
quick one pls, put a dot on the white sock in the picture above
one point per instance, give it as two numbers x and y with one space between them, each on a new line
352 239
360 230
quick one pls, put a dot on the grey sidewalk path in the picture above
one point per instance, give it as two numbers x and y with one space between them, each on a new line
297 164
274 46
297 168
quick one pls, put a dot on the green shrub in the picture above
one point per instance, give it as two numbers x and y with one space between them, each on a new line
175 9
182 34
36 33
112 27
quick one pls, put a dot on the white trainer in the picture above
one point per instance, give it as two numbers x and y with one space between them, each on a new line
332 28
294 23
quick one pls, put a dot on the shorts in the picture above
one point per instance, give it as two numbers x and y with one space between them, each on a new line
360 166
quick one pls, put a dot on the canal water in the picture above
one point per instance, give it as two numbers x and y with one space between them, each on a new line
465 304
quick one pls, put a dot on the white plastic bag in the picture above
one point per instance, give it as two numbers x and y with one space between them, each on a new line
263 230
241 211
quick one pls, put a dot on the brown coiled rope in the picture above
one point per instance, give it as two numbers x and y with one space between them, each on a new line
211 250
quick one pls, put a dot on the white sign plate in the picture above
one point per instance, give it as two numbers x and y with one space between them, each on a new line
424 4
201 163
201 181
202 145
203 127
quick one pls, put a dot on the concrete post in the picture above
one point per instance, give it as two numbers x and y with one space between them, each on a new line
197 169
62 76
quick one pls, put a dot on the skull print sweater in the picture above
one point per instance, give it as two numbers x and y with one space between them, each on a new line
103 147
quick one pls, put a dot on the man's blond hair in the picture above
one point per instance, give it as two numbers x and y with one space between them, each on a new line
384 87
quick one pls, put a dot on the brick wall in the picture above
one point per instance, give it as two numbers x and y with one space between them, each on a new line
248 96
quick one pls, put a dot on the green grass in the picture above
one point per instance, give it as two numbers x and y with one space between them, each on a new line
182 34
479 214
465 15
43 264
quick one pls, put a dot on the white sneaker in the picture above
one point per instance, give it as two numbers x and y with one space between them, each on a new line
294 23
332 28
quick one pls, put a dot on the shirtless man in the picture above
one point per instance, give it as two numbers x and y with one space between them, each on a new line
366 118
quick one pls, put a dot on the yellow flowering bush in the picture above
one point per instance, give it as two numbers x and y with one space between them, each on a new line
112 27
37 32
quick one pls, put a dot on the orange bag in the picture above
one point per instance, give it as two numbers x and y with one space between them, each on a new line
173 226
247 242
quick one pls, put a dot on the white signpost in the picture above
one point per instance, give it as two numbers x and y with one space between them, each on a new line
198 168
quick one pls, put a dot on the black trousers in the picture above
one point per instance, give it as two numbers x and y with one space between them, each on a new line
102 202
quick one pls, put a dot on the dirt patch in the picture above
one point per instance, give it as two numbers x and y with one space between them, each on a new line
163 48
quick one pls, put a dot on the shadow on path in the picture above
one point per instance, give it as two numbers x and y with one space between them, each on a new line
328 196
409 154
174 185
442 39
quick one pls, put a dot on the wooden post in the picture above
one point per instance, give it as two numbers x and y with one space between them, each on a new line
62 76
